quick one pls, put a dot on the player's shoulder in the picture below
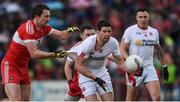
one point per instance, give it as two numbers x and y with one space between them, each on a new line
132 27
28 27
78 43
90 38
152 29
113 40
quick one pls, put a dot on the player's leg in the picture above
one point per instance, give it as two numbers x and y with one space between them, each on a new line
133 84
71 98
91 97
25 81
13 91
10 80
25 92
89 90
98 97
132 93
153 88
107 95
152 83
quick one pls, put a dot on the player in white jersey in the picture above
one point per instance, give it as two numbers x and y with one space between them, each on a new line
90 63
74 92
142 40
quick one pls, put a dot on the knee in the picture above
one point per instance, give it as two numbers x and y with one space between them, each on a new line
132 98
15 98
156 97
26 98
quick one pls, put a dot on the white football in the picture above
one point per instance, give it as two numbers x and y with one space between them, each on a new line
133 62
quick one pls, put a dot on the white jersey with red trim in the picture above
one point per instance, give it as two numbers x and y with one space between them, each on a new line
95 59
142 42
27 32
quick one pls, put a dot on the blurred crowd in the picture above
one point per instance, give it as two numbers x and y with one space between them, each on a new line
165 16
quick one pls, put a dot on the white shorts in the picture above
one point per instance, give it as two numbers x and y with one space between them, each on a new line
90 87
149 74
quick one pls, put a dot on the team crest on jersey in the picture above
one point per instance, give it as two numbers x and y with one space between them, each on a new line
150 33
138 42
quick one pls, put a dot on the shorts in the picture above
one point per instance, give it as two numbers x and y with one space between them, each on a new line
14 72
90 87
149 74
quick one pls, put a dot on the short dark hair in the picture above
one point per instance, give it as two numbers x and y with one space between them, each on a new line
142 10
38 10
84 27
103 23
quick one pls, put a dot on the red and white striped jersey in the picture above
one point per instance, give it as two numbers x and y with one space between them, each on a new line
25 33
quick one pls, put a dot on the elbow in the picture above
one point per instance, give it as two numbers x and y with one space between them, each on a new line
33 55
77 67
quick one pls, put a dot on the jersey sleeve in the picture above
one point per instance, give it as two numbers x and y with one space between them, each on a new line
85 47
69 59
25 34
157 38
126 36
48 29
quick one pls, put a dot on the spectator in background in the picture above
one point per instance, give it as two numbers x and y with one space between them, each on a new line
24 46
169 84
141 39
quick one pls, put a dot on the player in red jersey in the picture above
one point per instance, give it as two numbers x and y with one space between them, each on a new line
74 92
23 47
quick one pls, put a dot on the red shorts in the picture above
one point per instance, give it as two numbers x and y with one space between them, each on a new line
74 89
14 72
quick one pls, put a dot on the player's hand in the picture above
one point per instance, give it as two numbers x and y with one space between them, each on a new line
100 82
131 79
138 72
72 29
60 53
165 73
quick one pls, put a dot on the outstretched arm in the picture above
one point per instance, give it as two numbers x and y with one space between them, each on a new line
79 66
34 52
65 34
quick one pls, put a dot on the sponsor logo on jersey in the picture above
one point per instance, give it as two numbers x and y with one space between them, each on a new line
138 32
138 42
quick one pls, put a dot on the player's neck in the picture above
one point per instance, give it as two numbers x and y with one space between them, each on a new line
38 26
99 43
143 27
